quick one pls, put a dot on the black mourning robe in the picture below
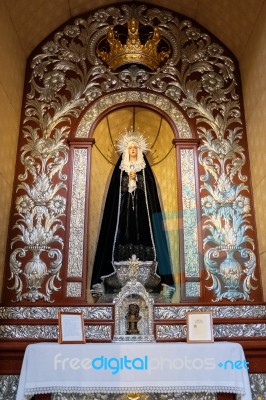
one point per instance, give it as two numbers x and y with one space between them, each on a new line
131 233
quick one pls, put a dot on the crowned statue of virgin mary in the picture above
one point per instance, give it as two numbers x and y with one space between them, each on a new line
132 218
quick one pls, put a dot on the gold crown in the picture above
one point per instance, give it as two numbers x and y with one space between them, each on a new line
131 47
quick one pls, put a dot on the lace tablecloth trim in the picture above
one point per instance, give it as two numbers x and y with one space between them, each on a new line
147 389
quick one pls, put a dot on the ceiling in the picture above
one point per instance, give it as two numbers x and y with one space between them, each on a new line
231 21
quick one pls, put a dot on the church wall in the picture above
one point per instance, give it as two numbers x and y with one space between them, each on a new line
252 65
12 67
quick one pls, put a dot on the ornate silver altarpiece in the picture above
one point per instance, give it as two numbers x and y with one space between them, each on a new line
69 89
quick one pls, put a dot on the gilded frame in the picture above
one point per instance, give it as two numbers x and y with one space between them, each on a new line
71 327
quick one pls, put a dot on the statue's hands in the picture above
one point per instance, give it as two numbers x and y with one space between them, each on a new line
132 175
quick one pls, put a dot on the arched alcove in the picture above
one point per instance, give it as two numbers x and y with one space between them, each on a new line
161 157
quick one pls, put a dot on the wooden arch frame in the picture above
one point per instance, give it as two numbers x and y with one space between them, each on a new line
82 142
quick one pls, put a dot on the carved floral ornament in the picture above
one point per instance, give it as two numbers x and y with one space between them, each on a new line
67 77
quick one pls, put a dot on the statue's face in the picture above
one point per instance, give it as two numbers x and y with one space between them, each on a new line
133 150
133 308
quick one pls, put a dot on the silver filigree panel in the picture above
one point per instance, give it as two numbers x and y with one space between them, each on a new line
74 289
90 312
179 312
160 312
43 332
28 332
191 252
8 387
98 332
219 331
77 214
258 386
104 332
192 289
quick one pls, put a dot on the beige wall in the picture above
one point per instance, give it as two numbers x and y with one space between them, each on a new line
252 65
12 67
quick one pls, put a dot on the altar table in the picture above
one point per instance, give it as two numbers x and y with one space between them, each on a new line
218 367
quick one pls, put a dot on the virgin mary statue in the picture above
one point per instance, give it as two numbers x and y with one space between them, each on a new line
132 219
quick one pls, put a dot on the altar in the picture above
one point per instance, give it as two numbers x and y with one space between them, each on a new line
218 367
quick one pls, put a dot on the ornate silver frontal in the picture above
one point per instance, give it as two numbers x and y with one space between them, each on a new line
99 321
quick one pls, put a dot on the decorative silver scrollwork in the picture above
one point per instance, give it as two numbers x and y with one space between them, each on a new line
179 312
220 331
67 77
39 213
8 387
90 312
258 386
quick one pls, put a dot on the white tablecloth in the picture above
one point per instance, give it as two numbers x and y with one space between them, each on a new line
139 367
